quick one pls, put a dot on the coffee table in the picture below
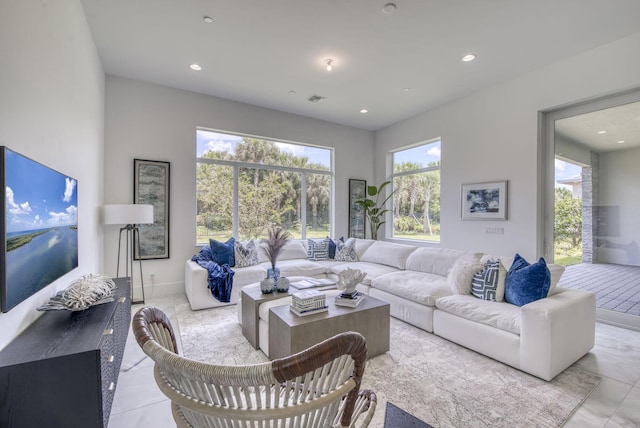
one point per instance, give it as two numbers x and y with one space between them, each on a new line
290 333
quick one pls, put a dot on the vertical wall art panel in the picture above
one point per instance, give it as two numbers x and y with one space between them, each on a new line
151 186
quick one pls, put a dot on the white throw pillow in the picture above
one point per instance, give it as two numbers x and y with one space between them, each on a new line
461 275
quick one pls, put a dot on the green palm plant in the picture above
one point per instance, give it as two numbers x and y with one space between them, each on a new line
373 208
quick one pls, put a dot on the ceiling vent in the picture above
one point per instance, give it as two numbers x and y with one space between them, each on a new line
317 98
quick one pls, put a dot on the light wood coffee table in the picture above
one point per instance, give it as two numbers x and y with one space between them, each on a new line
290 333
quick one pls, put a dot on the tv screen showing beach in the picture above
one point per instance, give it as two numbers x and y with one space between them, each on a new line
40 227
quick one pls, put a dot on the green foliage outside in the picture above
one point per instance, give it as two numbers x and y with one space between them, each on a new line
416 203
567 228
267 197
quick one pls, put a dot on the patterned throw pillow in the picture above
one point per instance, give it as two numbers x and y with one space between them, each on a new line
490 283
346 251
318 249
332 246
246 254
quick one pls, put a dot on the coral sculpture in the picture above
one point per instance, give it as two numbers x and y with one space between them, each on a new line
348 279
84 292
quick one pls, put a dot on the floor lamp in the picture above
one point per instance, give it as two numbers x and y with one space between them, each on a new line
129 215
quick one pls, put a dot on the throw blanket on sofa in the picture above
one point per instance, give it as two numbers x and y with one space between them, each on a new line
220 277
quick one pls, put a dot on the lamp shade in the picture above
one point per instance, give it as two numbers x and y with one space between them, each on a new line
128 214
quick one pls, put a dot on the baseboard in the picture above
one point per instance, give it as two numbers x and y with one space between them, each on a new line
619 319
158 290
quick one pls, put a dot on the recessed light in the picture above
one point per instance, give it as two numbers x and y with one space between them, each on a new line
329 63
292 92
621 141
602 132
207 19
468 57
389 8
406 89
364 111
195 67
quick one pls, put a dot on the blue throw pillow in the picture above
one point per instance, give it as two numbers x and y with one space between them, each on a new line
526 282
223 252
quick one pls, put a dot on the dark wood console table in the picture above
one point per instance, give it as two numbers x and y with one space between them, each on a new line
62 370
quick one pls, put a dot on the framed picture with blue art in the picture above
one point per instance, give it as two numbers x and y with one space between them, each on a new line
357 190
484 201
151 186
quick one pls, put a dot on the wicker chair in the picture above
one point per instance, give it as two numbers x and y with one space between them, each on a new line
318 387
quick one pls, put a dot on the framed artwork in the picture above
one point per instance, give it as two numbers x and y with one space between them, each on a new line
357 220
151 186
484 201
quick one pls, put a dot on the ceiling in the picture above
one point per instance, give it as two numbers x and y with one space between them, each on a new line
603 130
395 65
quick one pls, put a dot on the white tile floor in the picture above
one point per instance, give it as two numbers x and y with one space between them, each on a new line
614 403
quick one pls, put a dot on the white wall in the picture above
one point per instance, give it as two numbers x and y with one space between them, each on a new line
52 110
493 135
148 121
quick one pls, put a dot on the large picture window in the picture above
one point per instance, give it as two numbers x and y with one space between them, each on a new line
247 184
416 183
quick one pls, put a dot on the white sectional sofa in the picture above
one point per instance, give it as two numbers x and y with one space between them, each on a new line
541 338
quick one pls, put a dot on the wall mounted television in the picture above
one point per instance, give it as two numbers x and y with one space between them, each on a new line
38 227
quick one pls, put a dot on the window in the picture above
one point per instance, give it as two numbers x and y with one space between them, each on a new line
416 201
247 184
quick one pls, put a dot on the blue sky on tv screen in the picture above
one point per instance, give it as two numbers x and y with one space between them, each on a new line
37 197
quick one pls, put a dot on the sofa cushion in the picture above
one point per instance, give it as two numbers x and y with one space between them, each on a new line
248 275
362 245
420 287
293 249
298 267
373 270
436 260
490 283
526 282
246 254
318 249
387 253
461 275
223 252
503 316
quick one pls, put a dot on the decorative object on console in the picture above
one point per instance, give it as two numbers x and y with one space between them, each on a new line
373 208
357 216
151 186
526 282
282 284
28 227
484 201
131 215
83 293
490 283
267 285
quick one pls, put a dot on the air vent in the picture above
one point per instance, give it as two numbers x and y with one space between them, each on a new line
317 98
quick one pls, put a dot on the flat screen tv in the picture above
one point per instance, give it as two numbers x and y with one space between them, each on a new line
38 228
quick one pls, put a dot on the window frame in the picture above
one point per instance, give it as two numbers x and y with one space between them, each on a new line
393 175
238 165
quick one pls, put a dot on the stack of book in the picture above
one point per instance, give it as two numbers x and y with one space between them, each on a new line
308 302
349 299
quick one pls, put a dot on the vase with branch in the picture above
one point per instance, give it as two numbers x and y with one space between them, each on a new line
374 208
274 244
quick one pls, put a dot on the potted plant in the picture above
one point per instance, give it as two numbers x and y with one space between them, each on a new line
373 208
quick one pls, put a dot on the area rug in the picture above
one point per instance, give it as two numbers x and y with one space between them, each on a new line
429 377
